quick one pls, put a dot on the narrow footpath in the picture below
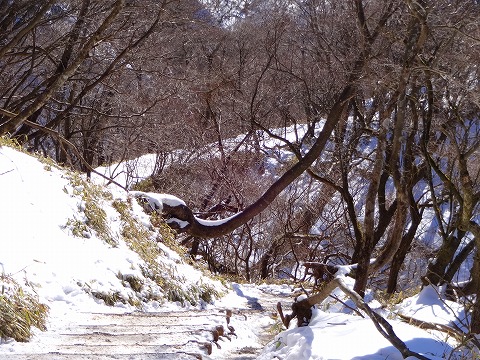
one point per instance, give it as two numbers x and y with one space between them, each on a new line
216 333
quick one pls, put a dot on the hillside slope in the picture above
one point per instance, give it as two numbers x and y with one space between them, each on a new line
115 285
90 254
80 247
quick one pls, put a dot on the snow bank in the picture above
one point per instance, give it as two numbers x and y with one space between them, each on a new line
47 241
430 306
342 336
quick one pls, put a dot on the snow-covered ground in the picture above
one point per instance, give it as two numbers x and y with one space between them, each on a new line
128 172
334 334
46 248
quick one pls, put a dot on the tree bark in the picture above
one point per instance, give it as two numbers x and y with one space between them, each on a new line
10 125
197 228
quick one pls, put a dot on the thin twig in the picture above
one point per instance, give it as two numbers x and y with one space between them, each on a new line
6 172
59 137
347 306
382 325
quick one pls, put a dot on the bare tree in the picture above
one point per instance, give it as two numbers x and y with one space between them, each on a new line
381 117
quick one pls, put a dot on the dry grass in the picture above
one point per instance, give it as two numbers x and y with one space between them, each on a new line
93 196
19 311
141 240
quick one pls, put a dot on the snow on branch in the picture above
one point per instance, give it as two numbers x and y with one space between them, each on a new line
156 201
181 218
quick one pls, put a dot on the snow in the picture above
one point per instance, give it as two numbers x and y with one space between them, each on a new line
215 222
428 307
156 201
38 248
338 335
129 172
342 336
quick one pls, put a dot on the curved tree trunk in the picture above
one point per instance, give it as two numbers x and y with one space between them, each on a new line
206 229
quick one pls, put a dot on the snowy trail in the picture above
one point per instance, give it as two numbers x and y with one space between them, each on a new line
57 256
175 335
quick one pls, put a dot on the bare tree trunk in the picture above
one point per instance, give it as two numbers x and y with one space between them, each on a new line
475 281
60 78
366 244
199 229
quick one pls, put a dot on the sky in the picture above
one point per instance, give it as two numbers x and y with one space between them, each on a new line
40 205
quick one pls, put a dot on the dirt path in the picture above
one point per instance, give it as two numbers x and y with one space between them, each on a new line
176 335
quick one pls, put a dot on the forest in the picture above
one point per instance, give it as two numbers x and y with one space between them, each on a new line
338 132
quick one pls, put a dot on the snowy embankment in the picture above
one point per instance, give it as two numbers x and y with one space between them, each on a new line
82 249
70 240
336 332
